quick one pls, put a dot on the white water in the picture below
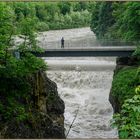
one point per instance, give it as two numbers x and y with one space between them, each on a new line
85 83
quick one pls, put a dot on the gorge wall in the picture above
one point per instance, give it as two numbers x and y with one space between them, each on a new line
44 109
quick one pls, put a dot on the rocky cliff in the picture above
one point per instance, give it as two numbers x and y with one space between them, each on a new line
42 104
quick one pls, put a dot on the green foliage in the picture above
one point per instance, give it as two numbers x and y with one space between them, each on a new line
54 15
121 21
13 94
124 83
137 90
129 21
102 18
24 9
6 31
14 86
42 26
64 7
136 52
128 120
27 29
126 87
116 20
27 65
14 110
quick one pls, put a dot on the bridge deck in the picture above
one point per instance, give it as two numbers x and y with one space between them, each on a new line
92 51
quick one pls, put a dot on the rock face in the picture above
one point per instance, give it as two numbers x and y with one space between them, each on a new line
122 62
46 114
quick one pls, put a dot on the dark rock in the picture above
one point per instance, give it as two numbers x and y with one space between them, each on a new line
128 61
47 119
115 103
56 131
57 107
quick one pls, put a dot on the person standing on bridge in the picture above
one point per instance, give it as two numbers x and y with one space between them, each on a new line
62 42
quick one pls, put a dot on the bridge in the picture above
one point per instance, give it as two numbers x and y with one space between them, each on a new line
87 52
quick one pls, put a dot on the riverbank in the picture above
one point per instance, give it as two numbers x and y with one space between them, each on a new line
125 98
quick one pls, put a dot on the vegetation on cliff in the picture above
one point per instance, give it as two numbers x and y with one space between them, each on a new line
128 120
121 21
16 60
124 84
30 106
126 93
14 68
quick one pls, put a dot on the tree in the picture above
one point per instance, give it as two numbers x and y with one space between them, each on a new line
102 18
27 63
6 31
64 7
128 20
40 12
95 18
27 29
116 20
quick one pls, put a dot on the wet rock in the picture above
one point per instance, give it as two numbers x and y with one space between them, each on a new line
115 103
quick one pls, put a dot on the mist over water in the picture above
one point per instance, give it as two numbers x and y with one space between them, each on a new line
84 85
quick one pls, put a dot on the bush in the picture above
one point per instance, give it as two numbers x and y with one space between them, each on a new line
124 83
128 120
126 87
137 51
42 26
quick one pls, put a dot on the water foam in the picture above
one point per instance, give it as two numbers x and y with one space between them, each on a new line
87 90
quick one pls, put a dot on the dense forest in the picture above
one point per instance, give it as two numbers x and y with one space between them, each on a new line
116 21
54 15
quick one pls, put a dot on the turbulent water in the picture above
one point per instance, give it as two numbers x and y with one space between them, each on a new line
84 85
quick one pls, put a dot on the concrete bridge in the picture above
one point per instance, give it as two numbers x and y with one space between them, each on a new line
90 51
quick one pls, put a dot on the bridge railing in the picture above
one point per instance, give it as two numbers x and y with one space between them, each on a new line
85 43
117 42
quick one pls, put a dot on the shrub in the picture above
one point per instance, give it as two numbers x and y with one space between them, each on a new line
124 83
128 120
42 26
137 51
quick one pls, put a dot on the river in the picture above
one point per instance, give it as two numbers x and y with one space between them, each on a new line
84 84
